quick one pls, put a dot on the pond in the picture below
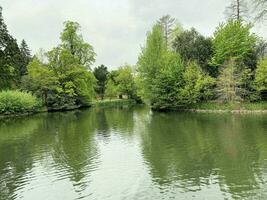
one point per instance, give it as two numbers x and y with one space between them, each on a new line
133 153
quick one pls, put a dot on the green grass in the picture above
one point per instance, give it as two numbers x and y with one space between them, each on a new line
230 106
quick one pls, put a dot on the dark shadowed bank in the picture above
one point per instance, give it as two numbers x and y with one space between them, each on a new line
99 103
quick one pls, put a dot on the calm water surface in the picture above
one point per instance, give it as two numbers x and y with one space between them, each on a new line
133 153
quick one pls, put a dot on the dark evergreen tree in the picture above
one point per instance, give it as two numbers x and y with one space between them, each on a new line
101 74
9 57
192 46
25 58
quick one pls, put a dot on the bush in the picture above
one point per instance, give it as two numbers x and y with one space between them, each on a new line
12 102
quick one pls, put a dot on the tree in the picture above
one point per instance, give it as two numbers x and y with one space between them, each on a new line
150 60
125 82
73 41
234 82
194 47
237 10
197 86
63 81
40 80
101 74
167 24
261 78
234 40
111 89
25 57
168 80
227 84
9 57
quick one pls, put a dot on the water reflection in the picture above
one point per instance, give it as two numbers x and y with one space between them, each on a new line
133 153
195 150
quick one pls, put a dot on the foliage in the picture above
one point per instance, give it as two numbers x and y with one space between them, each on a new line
261 77
121 82
150 61
63 81
16 102
101 74
125 81
9 58
192 46
168 80
74 43
197 86
234 40
235 83
111 89
25 58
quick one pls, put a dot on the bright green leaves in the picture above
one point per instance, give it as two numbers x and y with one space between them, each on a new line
73 41
64 81
233 40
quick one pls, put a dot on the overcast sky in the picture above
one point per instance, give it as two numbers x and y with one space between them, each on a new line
116 28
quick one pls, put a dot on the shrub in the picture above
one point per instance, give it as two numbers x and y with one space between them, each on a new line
12 102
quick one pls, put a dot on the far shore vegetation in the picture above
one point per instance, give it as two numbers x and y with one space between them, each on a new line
177 69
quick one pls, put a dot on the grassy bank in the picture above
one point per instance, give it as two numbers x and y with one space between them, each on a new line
229 107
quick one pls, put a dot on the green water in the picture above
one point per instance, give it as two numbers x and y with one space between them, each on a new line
133 153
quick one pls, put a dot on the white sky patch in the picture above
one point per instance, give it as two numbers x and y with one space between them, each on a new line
116 28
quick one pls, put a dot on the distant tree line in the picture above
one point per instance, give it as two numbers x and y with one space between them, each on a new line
176 68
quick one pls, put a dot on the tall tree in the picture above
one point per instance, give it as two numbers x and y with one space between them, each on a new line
234 40
167 24
193 46
237 9
101 74
150 60
73 41
9 57
25 57
227 84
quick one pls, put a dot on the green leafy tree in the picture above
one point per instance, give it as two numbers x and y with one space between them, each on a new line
197 86
62 80
261 77
235 82
168 80
125 82
234 40
101 74
150 60
194 47
111 89
73 41
40 80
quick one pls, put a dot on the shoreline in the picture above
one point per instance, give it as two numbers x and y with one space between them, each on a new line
224 111
101 103
210 108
